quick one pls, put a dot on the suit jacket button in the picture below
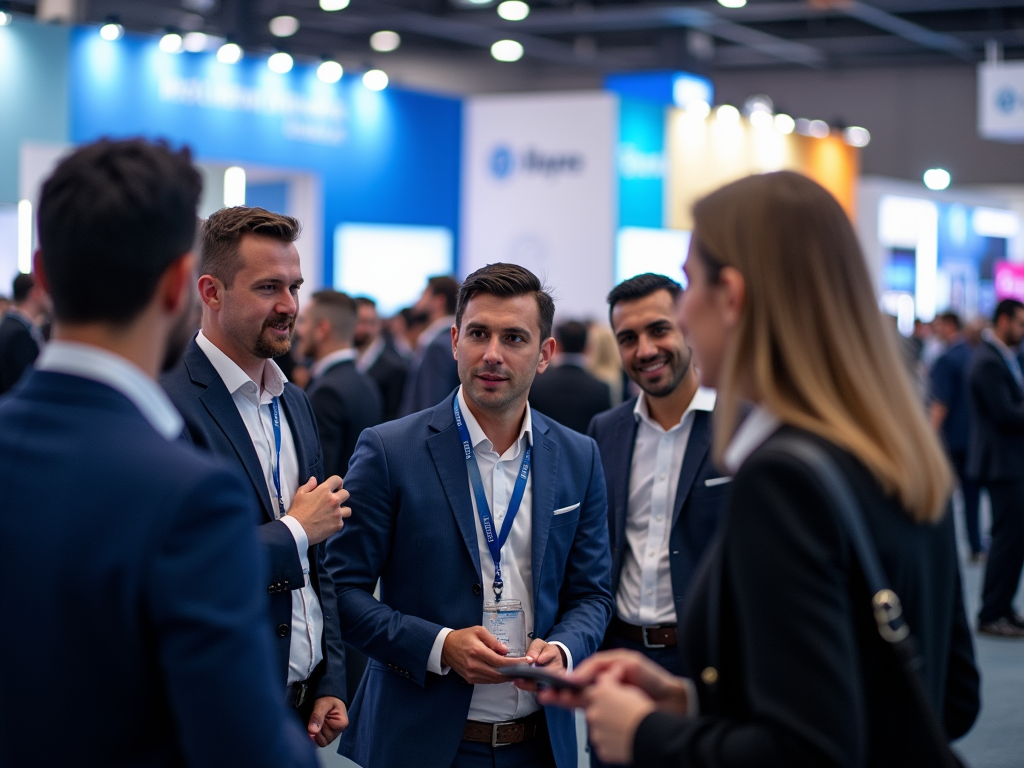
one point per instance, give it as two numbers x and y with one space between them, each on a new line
283 630
709 675
476 589
286 582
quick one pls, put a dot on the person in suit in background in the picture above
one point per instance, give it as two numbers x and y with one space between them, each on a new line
378 359
345 401
950 415
566 392
238 405
432 695
433 374
145 610
665 496
780 311
996 459
20 336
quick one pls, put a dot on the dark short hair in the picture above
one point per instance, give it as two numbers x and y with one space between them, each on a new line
224 230
22 287
1007 307
506 281
112 218
640 286
446 286
338 309
365 301
952 318
572 336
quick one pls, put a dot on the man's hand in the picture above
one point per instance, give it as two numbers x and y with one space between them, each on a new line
614 712
329 719
475 654
542 654
318 508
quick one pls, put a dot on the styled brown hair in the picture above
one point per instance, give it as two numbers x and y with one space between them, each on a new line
811 345
506 281
338 309
224 230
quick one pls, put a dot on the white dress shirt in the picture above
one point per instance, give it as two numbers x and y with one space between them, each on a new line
89 362
370 355
501 701
325 362
645 596
253 404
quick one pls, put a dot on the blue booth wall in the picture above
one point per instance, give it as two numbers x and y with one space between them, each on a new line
387 157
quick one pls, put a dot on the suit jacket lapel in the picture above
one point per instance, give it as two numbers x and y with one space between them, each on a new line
544 468
446 451
217 401
696 451
625 436
292 410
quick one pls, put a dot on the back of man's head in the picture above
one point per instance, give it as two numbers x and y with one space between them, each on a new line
22 287
641 286
223 232
444 285
338 310
112 218
571 337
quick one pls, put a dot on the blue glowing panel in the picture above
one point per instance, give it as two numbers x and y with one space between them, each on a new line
641 162
272 196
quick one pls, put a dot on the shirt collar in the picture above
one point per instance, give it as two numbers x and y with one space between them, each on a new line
476 434
89 362
703 400
325 362
434 330
996 342
759 425
234 377
370 355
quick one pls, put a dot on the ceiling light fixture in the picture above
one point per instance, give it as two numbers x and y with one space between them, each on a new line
196 42
856 136
513 10
732 3
507 50
229 53
727 114
937 179
281 63
111 31
172 42
284 26
784 124
6 17
376 80
385 41
329 71
333 5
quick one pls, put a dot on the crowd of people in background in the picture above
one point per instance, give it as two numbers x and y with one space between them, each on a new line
676 459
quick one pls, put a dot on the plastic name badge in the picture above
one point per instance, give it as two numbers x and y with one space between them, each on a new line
507 622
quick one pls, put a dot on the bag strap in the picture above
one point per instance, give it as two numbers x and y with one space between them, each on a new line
885 603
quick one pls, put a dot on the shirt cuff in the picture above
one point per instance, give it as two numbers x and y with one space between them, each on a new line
301 540
434 660
568 655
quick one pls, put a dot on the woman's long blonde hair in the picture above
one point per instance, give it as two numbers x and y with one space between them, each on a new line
811 344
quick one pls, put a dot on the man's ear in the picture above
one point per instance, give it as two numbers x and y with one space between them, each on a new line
39 271
211 291
547 351
455 340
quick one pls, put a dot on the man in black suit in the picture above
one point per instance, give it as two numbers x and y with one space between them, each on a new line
566 392
344 400
20 337
379 359
434 374
665 497
996 459
237 404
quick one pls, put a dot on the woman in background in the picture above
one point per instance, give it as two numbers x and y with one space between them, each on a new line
603 361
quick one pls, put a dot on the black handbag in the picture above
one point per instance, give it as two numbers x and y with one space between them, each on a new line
885 603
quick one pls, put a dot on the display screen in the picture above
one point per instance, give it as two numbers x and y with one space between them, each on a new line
643 249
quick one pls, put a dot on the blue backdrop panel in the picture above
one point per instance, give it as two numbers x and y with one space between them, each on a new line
389 157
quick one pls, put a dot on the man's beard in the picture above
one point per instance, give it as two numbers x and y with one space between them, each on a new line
678 364
267 348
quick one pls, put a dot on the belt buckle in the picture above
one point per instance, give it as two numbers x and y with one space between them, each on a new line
494 734
648 643
301 689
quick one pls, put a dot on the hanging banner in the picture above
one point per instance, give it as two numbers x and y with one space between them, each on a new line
1001 101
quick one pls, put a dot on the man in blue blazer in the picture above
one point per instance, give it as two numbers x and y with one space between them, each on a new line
665 495
131 561
238 404
433 374
422 486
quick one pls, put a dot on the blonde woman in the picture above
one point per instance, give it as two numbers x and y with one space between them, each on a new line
603 361
791 669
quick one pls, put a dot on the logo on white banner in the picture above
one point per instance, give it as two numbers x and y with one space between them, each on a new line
1001 101
505 162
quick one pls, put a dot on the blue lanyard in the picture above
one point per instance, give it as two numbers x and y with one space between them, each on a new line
275 410
494 544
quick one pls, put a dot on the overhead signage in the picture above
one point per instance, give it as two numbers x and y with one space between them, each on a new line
1001 101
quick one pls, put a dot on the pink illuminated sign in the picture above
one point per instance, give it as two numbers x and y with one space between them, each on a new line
1009 281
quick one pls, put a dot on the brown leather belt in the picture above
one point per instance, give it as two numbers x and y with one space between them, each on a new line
508 732
663 636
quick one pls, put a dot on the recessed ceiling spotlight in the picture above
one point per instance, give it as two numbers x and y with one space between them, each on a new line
732 3
727 114
937 178
334 5
385 41
507 50
856 136
229 53
281 63
698 108
819 129
513 10
329 71
284 26
784 124
172 42
376 80
111 31
196 42
6 17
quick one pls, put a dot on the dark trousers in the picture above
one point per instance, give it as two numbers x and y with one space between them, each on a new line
1006 553
531 754
971 490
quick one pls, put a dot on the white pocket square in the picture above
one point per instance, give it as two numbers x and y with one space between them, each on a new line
711 482
563 510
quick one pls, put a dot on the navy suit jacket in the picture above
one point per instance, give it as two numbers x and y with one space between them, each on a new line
697 510
434 373
212 422
131 566
413 526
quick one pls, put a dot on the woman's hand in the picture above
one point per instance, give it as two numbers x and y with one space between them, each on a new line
614 711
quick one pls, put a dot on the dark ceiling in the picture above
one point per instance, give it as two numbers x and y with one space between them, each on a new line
608 35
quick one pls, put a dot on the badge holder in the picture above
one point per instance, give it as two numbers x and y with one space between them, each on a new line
506 620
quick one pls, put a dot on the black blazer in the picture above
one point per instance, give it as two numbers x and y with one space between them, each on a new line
390 371
697 509
345 403
432 377
212 422
18 350
793 671
570 395
996 449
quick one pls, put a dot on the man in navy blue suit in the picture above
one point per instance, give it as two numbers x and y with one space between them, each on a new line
665 495
131 561
422 488
433 373
238 404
